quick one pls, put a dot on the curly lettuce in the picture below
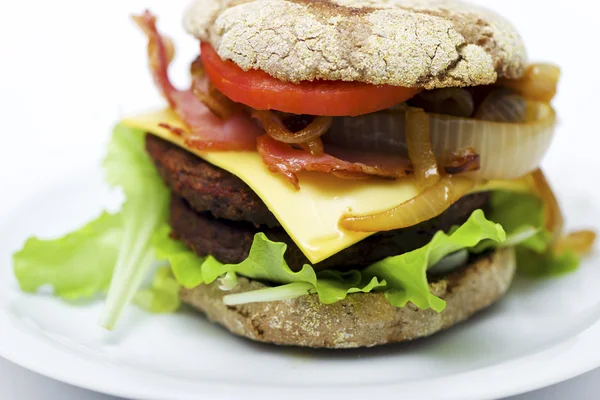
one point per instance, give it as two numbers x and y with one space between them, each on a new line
522 217
112 254
162 296
403 278
77 266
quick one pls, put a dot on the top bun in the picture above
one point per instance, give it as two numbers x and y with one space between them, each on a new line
412 43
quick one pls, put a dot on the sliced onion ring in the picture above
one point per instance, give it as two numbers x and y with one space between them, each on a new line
503 106
277 130
429 204
539 82
314 147
218 103
197 69
580 242
553 218
506 150
419 148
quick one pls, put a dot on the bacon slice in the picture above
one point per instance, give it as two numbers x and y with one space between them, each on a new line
206 130
344 163
288 161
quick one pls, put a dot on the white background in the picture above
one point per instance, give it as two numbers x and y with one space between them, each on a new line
45 44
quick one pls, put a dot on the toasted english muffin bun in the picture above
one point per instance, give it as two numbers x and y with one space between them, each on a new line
361 320
412 43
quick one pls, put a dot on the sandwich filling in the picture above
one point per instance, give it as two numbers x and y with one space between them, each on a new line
322 187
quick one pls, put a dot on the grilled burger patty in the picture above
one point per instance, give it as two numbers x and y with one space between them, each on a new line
206 187
230 241
215 213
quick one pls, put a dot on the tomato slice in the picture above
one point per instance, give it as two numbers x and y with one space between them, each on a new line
261 91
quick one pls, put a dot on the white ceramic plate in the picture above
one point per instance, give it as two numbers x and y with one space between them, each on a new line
536 336
89 69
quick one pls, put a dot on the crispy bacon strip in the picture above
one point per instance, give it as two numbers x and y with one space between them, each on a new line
206 130
349 164
284 159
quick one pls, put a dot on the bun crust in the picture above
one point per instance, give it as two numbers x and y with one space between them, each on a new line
412 43
361 320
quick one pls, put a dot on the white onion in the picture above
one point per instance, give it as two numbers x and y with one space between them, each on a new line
451 101
507 149
450 262
380 132
420 151
503 106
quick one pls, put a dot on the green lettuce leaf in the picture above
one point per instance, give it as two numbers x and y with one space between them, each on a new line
129 167
522 216
184 263
78 265
406 274
403 277
162 296
548 264
114 253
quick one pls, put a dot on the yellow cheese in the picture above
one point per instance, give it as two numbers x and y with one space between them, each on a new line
309 215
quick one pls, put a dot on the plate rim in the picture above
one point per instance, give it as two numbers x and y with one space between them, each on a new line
124 381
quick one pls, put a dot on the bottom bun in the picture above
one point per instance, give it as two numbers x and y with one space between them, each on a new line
362 319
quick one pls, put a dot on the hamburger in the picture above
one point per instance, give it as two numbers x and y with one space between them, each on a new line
338 175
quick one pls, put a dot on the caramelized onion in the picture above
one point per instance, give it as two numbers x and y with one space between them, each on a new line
539 82
580 242
315 147
309 136
216 101
196 68
427 205
552 215
419 147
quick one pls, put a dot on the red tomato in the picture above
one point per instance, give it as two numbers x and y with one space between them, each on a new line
261 91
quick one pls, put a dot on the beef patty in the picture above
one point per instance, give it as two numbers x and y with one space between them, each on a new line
214 212
230 241
206 187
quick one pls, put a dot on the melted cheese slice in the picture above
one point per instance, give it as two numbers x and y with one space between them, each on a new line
309 215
